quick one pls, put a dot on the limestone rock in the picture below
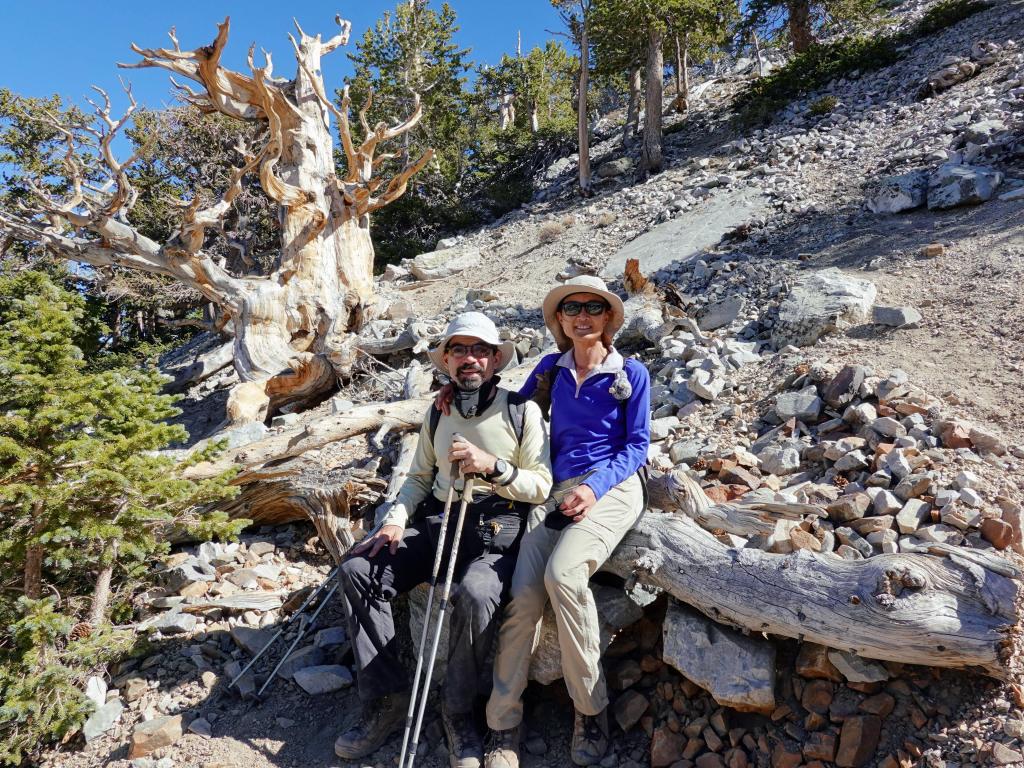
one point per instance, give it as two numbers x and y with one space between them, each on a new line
900 193
102 720
821 303
443 263
737 670
721 313
896 317
858 670
323 679
614 168
952 185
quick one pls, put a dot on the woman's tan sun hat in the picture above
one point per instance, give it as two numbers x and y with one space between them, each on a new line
478 326
581 284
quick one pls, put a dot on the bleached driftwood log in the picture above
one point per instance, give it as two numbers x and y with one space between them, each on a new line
914 609
679 493
401 414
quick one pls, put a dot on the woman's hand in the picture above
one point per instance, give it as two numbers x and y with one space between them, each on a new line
578 502
472 460
389 536
443 399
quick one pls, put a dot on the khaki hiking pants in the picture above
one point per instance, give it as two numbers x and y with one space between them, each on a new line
557 565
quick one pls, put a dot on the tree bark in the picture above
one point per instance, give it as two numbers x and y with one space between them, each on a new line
757 54
34 553
290 329
650 156
800 32
913 609
629 128
101 595
681 73
582 126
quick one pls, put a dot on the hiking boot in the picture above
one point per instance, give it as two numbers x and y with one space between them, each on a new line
502 749
464 746
590 738
379 721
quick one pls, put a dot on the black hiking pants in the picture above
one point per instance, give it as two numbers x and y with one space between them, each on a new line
483 574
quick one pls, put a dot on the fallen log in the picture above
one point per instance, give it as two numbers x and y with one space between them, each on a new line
679 493
909 608
400 414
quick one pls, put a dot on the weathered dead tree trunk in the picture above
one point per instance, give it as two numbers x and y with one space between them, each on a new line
650 154
681 72
914 609
629 128
582 127
679 493
292 328
799 20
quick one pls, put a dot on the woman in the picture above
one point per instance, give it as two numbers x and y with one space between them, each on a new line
600 432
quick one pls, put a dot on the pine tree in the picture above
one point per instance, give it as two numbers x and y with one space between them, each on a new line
83 490
411 50
86 499
799 19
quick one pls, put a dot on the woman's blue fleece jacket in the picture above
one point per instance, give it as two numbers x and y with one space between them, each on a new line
591 429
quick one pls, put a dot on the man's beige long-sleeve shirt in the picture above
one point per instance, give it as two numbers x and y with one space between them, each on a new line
491 431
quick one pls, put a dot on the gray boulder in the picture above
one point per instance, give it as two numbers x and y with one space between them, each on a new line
982 132
614 167
438 264
820 303
721 313
950 186
780 458
737 670
102 720
900 193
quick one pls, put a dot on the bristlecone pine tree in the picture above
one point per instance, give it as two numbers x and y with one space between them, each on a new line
292 329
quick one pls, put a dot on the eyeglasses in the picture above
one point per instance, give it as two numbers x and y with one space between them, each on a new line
477 350
572 308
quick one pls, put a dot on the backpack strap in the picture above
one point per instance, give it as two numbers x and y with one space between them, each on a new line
434 420
517 413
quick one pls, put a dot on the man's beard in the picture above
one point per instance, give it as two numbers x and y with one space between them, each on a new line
468 378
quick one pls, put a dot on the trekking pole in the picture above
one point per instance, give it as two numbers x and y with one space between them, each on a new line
438 556
467 495
284 627
302 633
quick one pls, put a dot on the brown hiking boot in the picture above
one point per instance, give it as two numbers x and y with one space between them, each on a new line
464 746
590 738
502 749
379 721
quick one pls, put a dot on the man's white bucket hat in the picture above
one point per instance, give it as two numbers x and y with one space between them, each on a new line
478 326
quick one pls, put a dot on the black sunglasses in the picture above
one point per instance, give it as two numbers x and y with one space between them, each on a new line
572 308
479 350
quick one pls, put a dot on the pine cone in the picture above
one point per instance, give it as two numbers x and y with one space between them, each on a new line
839 481
700 464
81 630
801 369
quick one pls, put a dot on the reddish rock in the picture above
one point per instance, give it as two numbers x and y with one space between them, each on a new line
997 532
890 761
956 435
817 696
815 722
710 760
736 758
813 662
718 494
629 708
858 740
741 476
666 747
786 754
820 746
712 739
881 704
693 747
651 663
154 734
625 675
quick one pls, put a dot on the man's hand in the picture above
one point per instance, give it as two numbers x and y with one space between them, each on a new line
578 502
443 399
472 460
389 536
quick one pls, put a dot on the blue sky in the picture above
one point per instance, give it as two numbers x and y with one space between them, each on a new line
66 46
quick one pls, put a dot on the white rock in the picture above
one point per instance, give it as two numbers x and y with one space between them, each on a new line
323 679
856 669
820 303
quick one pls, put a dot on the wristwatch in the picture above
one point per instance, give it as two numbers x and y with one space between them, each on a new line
500 468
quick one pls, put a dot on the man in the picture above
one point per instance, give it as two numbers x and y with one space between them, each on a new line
506 445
